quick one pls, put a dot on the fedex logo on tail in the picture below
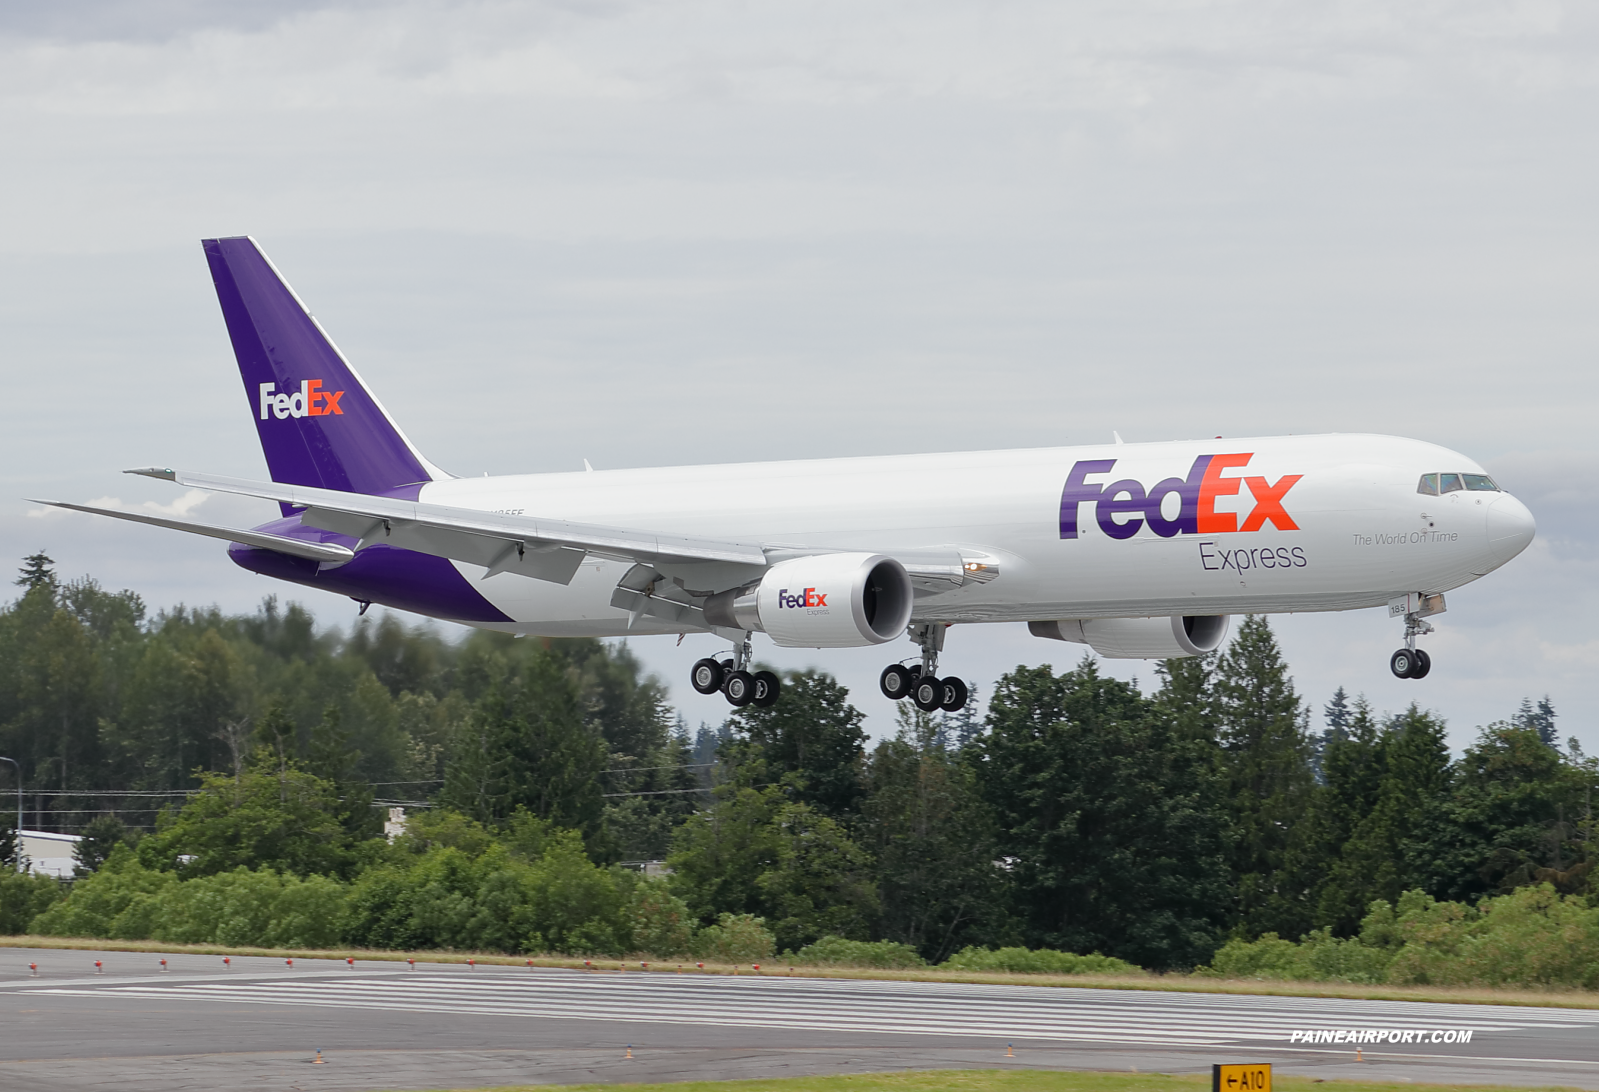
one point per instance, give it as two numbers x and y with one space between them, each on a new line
1122 507
309 401
810 597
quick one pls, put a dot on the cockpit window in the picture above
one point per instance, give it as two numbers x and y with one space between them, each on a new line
1449 483
1480 483
1429 485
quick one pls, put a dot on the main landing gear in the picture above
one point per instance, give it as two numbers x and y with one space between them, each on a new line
1411 662
733 678
920 682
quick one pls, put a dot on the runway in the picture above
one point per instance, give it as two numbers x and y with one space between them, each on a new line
258 1023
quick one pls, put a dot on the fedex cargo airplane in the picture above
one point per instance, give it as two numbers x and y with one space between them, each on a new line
1136 550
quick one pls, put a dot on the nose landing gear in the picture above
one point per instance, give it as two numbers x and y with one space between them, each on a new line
920 682
1411 662
732 677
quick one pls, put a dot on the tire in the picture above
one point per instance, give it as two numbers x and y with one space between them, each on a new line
1403 664
896 681
955 695
739 689
928 693
767 689
706 676
1423 665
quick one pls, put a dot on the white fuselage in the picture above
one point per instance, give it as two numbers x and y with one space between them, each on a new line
1358 531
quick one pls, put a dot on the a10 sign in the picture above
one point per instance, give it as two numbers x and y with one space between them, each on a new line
1241 1078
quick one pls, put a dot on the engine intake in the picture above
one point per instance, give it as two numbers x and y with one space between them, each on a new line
1140 638
822 601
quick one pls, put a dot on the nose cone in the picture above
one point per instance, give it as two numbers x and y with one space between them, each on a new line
1510 527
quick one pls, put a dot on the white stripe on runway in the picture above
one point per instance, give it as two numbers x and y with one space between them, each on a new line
915 1008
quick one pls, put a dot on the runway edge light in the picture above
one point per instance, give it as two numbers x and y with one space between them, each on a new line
1253 1077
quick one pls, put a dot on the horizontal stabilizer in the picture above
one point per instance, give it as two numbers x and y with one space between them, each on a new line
316 551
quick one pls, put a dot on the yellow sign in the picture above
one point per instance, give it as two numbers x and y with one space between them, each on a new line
1241 1078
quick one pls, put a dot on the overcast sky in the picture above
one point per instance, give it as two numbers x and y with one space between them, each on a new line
657 233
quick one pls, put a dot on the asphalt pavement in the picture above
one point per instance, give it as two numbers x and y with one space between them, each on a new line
259 1023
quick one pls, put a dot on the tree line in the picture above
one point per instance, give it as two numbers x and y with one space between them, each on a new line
1080 814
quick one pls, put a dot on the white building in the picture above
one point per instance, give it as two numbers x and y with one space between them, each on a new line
48 854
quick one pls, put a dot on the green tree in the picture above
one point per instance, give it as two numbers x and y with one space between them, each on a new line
719 855
1266 757
1514 817
821 883
527 747
1110 819
99 837
1381 791
38 571
813 739
934 839
273 815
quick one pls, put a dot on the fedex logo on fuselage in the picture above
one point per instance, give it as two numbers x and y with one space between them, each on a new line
809 597
309 401
1196 514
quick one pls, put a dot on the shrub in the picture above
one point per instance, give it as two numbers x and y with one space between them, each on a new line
1037 961
838 952
662 924
117 902
736 938
445 897
251 909
1530 937
23 897
1320 957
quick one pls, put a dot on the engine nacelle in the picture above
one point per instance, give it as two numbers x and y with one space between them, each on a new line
822 601
1140 638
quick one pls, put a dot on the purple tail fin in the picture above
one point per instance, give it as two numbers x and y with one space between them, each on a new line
319 424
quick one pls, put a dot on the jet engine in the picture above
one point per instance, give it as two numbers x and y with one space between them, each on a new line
821 601
1140 638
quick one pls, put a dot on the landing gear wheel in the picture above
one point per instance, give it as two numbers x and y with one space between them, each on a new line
928 694
739 688
955 695
896 681
1404 663
767 689
706 676
1423 665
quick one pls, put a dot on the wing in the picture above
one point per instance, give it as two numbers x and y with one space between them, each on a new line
541 548
326 552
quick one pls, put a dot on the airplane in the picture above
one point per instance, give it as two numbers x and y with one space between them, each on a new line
1141 550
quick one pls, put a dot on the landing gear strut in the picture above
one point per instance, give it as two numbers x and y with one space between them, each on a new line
920 682
1411 662
733 678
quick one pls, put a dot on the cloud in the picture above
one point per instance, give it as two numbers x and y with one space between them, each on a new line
177 509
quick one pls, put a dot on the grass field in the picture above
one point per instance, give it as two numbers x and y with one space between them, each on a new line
1576 999
1008 1080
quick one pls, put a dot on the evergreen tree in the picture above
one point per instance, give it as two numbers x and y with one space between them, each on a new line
1266 757
1514 816
1109 818
1337 715
38 571
1380 789
812 739
98 838
529 748
934 840
1540 719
